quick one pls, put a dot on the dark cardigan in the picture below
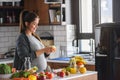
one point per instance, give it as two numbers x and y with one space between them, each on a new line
23 50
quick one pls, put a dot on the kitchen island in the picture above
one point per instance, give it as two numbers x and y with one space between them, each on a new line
56 64
89 75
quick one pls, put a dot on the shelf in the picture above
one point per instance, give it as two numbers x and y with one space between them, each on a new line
10 10
11 7
52 1
55 5
10 0
55 23
9 24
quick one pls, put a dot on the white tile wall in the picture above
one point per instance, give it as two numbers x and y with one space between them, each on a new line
8 38
63 36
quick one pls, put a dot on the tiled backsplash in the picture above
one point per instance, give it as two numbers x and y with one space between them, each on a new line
63 36
8 37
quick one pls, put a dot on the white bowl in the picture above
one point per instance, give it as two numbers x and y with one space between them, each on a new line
5 76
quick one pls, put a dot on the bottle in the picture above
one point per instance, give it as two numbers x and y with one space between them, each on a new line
13 17
1 18
48 69
27 63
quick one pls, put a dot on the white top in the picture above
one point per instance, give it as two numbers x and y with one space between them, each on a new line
40 61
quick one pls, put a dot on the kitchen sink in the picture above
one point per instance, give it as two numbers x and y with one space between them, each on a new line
61 58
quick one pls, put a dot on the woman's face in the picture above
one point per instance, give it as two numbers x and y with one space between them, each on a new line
31 27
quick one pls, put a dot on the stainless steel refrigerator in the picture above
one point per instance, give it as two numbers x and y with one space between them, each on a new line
107 51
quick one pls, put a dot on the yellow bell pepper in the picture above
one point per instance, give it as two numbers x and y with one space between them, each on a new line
32 77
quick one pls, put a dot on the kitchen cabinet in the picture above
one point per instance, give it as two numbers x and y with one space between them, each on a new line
55 13
64 9
50 13
58 13
40 8
57 65
9 12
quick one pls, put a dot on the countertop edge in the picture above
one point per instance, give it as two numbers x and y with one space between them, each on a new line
89 63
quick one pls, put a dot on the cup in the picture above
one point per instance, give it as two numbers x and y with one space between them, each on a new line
63 51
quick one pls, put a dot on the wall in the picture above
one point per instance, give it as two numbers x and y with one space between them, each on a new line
8 37
63 36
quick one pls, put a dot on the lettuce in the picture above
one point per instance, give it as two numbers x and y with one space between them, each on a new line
5 69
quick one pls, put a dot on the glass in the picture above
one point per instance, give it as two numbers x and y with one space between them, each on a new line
27 63
63 52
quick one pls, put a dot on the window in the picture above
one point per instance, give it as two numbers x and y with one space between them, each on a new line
105 11
91 12
86 16
86 38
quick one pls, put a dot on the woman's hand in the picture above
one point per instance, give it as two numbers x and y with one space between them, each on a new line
49 49
46 50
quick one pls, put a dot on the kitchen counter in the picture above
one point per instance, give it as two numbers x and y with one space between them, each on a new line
89 75
57 63
62 61
6 61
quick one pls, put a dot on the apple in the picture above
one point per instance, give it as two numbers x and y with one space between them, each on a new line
42 77
46 73
61 74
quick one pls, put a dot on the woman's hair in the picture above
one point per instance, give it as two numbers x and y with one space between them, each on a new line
26 16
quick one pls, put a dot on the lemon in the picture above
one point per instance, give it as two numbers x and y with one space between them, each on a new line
73 70
82 70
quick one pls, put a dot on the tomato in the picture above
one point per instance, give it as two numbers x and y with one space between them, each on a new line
50 75
46 73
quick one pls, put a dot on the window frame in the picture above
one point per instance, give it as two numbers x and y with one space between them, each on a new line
95 17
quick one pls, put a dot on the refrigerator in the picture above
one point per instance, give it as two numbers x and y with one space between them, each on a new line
107 51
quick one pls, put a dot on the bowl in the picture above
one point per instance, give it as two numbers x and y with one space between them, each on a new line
5 76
